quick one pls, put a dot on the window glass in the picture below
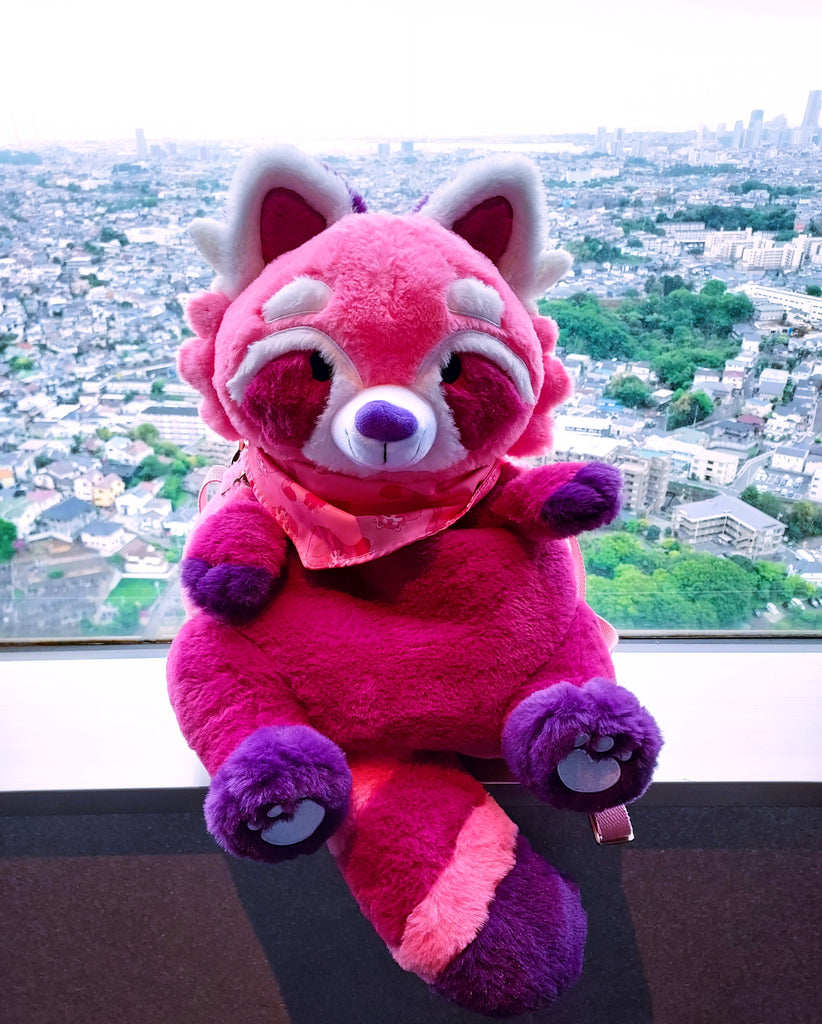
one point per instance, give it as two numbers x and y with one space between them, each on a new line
683 175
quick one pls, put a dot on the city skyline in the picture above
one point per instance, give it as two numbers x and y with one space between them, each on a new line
370 72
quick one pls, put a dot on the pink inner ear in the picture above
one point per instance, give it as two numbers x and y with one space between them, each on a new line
487 227
286 221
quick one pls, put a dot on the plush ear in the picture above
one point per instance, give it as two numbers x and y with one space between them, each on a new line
278 199
498 206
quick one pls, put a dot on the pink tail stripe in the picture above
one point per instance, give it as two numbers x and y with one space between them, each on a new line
452 913
368 780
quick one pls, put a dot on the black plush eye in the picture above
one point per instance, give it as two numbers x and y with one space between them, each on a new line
452 369
321 369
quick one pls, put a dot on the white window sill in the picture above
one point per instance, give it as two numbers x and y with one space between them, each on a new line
97 718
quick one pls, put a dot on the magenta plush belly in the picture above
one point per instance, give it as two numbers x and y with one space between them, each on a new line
424 649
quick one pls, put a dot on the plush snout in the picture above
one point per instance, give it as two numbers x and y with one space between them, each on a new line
385 427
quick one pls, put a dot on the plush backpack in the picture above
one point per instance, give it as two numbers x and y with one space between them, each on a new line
383 586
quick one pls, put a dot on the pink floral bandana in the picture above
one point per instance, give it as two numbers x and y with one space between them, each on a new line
330 517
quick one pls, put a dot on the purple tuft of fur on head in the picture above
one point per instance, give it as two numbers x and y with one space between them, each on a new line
357 201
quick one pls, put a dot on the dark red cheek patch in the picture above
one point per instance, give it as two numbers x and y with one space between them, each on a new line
483 400
285 401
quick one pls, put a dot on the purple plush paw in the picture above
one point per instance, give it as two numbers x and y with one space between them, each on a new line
233 592
281 793
589 500
585 748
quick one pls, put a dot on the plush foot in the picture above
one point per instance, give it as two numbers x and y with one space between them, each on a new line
589 500
530 949
281 793
236 593
584 748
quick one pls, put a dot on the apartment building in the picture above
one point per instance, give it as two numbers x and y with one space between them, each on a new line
727 522
714 466
789 459
645 476
815 487
180 424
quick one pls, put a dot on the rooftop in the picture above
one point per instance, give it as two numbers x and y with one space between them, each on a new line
724 505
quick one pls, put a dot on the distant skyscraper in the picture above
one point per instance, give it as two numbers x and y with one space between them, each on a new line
602 140
739 135
383 150
407 148
142 149
619 142
753 136
812 110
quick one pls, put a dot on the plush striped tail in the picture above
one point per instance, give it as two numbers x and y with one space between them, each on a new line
458 897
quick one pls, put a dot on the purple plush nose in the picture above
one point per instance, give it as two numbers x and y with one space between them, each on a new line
384 422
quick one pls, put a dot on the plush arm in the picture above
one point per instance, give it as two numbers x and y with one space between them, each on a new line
234 559
576 738
279 787
560 500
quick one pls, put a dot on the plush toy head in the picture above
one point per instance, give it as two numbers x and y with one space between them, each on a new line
369 344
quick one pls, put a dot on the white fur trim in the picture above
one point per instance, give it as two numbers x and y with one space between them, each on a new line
470 297
484 345
302 295
517 180
232 246
553 266
295 339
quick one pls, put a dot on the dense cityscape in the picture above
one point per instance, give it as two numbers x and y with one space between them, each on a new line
691 324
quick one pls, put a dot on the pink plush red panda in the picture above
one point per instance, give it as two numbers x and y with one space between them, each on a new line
380 586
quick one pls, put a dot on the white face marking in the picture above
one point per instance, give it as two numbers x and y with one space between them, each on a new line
491 348
302 295
372 453
295 339
470 297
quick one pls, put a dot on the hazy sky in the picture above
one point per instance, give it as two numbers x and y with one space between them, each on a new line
286 71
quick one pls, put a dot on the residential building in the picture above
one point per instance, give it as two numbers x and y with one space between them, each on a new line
645 476
772 382
714 466
133 501
84 485
106 490
143 560
728 522
815 486
106 538
65 520
790 459
180 424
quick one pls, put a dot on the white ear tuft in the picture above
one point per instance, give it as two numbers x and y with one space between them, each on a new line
516 180
234 247
553 266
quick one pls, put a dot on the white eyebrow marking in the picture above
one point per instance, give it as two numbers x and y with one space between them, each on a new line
302 295
294 339
471 297
491 348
